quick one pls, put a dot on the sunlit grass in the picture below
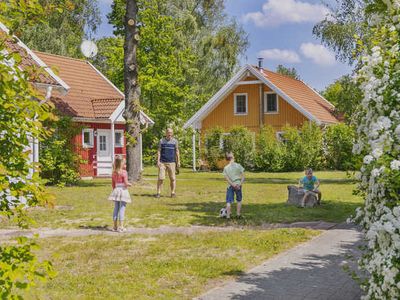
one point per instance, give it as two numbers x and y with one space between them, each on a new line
172 266
199 199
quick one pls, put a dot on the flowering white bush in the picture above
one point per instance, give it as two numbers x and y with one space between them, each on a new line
379 141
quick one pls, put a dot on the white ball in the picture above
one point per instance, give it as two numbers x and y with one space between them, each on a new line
223 213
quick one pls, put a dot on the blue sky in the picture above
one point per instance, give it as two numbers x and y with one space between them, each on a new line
281 32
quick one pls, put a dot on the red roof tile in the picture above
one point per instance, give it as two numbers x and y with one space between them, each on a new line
91 95
303 95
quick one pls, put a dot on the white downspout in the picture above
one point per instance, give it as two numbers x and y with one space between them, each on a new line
194 150
112 142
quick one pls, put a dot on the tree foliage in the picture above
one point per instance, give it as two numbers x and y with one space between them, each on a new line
61 31
290 72
346 95
341 29
21 116
59 162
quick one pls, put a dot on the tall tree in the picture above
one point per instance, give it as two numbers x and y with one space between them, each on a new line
62 31
341 29
132 91
290 72
346 95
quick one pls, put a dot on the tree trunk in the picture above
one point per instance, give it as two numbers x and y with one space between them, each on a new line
132 92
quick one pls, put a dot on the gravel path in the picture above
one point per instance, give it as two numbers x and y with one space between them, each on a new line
310 271
48 232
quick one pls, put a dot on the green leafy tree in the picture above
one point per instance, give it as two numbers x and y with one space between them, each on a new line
21 118
340 30
346 95
60 32
290 72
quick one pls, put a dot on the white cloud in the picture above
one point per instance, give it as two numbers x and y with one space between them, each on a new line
318 54
287 56
277 12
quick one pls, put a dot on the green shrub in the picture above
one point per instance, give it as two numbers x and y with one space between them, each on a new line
59 162
339 139
213 152
241 142
303 147
269 151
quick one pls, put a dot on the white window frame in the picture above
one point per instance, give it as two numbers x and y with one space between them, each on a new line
122 139
235 104
266 104
91 137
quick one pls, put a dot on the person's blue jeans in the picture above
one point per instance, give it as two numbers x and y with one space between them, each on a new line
230 194
119 210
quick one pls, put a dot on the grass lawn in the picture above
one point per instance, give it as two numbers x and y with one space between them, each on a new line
171 266
199 199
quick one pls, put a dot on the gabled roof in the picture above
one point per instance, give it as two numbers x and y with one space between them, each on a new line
298 94
92 95
87 84
30 60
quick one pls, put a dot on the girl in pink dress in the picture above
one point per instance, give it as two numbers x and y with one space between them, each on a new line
120 194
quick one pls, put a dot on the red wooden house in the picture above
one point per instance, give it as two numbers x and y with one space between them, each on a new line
96 104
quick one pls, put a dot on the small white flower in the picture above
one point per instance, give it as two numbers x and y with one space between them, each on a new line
368 159
395 165
377 153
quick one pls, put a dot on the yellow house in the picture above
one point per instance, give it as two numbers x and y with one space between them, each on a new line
255 97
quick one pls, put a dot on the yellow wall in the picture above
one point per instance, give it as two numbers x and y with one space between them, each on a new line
223 115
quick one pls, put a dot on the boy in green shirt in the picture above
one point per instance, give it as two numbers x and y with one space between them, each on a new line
307 183
234 175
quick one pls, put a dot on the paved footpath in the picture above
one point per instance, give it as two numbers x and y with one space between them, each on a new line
310 271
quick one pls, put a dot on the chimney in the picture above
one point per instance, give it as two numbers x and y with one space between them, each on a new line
260 62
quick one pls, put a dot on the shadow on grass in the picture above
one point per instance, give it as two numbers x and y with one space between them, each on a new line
94 182
289 181
312 277
255 214
95 227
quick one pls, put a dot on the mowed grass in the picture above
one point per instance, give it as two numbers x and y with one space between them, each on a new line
200 196
172 266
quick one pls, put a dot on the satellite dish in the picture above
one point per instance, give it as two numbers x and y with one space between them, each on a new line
89 48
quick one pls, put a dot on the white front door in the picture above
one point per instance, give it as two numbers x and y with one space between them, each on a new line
104 160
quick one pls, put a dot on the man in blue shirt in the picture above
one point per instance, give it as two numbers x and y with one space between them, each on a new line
167 160
310 184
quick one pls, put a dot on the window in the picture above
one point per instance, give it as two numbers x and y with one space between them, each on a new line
119 138
103 143
240 104
270 103
87 138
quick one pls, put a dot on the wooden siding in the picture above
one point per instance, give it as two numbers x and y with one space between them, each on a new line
223 115
89 155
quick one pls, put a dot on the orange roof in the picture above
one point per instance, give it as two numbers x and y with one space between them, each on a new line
91 95
304 95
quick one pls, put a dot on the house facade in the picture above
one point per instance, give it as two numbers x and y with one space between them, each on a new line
96 105
256 97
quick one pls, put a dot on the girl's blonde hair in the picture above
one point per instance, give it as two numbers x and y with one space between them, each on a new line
117 164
